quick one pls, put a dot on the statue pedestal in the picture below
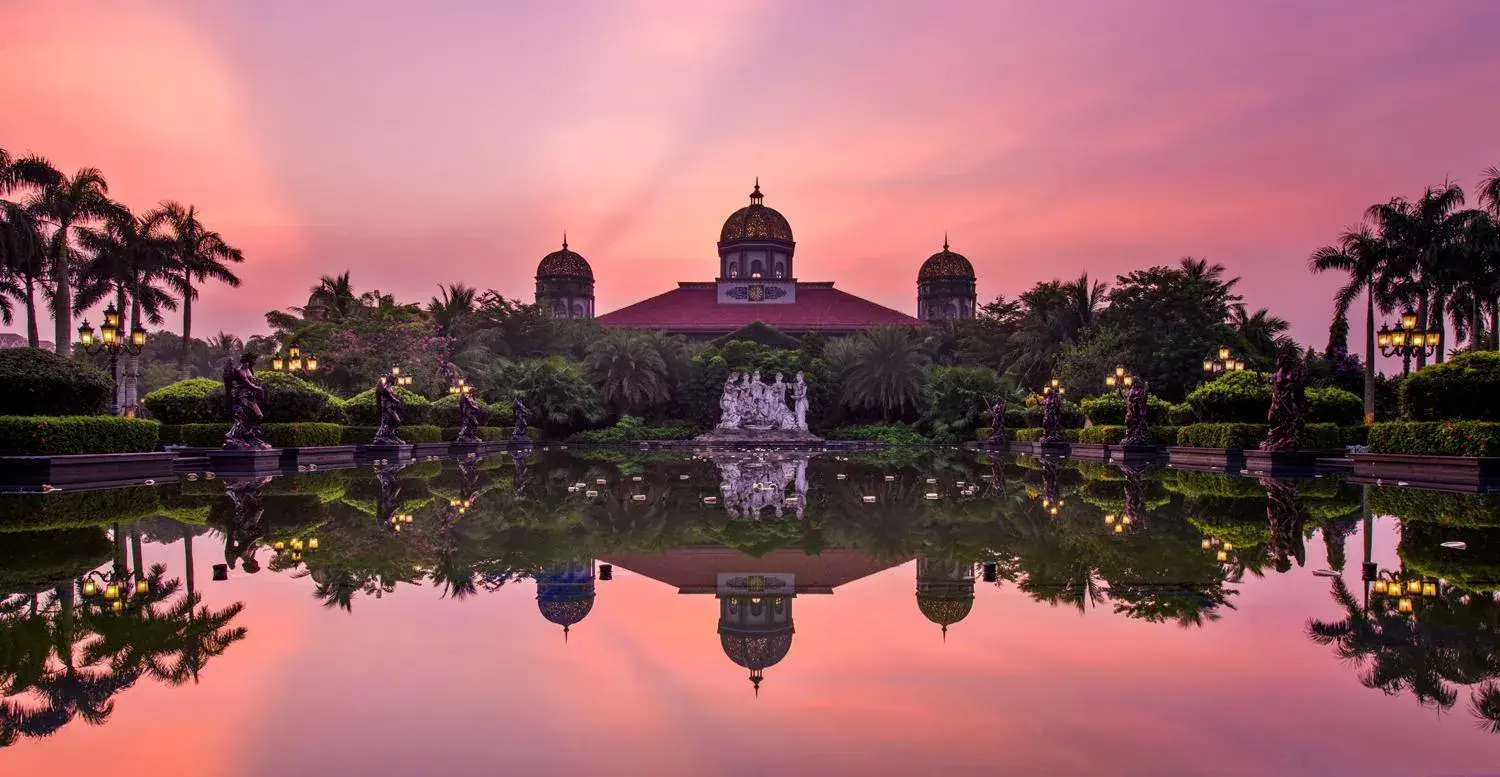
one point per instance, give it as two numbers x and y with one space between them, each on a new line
1293 463
318 456
384 453
263 461
1052 449
1134 453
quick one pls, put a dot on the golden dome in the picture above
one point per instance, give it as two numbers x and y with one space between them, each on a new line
945 610
564 264
756 222
946 264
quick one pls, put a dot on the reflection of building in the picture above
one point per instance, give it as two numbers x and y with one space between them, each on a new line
755 594
565 592
757 281
945 590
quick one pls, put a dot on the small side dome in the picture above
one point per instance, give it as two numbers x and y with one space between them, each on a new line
946 264
564 264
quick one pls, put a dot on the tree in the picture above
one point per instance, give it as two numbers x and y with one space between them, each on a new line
200 255
1362 256
68 205
1052 316
23 264
1422 239
629 372
1260 334
450 313
888 374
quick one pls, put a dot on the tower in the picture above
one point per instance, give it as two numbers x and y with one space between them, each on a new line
945 286
755 255
565 284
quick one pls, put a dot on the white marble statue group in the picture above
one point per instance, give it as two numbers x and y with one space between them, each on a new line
751 403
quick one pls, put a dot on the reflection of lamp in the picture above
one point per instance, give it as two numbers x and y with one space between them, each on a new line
1405 605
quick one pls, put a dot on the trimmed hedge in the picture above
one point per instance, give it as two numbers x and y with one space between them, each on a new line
1114 435
364 435
360 409
65 435
1032 434
1436 438
1250 436
1109 410
1071 415
278 435
289 399
486 433
169 434
1182 414
631 429
185 402
1332 405
334 412
1465 387
42 383
890 434
1245 397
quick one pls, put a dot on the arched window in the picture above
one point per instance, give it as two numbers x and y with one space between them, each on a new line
780 270
734 269
756 268
578 310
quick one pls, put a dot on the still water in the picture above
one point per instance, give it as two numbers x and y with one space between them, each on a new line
752 614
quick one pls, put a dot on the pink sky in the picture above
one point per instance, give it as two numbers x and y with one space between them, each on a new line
417 144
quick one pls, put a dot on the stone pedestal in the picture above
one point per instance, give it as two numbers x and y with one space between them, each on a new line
1134 454
1275 463
265 461
422 450
467 450
376 454
1090 451
91 470
1053 449
330 456
1222 459
1469 474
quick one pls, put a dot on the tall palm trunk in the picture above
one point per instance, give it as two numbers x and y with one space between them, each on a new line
1369 354
187 559
1476 325
133 360
1422 324
187 323
62 297
33 338
1439 301
120 367
1495 323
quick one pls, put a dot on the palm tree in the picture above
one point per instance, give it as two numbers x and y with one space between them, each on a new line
132 261
68 204
23 262
1489 199
1476 276
224 346
449 313
888 374
628 371
333 299
1056 315
1362 255
1260 333
199 255
1422 237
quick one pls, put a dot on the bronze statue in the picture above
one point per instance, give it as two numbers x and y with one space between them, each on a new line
389 406
518 434
470 415
997 421
1137 432
242 397
1288 402
1052 417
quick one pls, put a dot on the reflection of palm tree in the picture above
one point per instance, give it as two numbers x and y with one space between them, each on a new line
1485 704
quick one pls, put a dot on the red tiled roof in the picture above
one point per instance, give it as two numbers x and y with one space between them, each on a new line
696 570
694 307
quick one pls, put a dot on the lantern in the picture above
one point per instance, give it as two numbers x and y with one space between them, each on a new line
1408 320
85 334
1380 586
90 588
112 591
1429 589
141 586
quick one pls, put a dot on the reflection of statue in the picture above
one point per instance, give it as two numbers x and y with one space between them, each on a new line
242 396
1137 433
997 421
799 403
249 522
1288 402
470 414
997 475
1285 513
523 415
523 473
388 406
388 498
1052 417
1049 483
1135 496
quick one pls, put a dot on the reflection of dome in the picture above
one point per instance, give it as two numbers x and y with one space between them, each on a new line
943 610
565 593
564 264
566 612
755 632
945 590
756 651
756 222
945 264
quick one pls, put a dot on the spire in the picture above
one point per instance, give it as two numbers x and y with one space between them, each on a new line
565 628
755 196
755 677
565 240
945 632
945 241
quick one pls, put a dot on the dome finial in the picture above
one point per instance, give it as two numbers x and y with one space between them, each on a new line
945 241
945 632
565 240
565 635
755 195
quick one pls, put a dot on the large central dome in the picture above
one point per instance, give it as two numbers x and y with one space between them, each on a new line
946 264
756 222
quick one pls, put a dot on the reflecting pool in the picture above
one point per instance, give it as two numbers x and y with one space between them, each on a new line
754 613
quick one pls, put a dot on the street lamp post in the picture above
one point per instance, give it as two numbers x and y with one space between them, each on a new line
1119 380
399 379
1222 362
113 341
1407 340
294 361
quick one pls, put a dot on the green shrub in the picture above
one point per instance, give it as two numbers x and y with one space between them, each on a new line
1356 435
486 433
1109 409
169 434
1322 437
302 435
64 435
1465 387
1182 414
890 434
1015 417
1033 434
288 399
360 408
334 412
1334 406
1445 438
983 433
364 435
42 383
186 402
958 400
1234 397
1250 436
74 509
631 429
1114 435
1072 416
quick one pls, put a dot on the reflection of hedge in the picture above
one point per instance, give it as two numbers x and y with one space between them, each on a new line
278 435
1476 568
1444 438
1096 470
486 433
326 485
364 435
70 509
31 561
1214 485
1436 506
64 435
1243 534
